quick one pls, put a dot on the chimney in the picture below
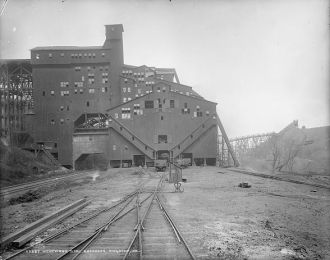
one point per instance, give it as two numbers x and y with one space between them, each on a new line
113 33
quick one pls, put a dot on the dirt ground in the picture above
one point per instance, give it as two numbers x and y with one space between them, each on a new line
269 220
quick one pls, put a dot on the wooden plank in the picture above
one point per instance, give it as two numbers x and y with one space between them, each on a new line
29 236
11 237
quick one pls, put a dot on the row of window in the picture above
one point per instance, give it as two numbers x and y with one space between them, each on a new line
78 68
52 121
73 55
81 91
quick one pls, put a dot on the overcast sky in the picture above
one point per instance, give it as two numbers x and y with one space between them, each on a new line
266 63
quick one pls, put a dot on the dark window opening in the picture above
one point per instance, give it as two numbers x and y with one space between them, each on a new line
161 118
185 105
191 136
67 108
149 104
146 147
179 147
55 145
133 138
162 139
87 103
171 103
121 128
43 93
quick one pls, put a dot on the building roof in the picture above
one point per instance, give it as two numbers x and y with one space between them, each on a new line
179 85
176 93
67 48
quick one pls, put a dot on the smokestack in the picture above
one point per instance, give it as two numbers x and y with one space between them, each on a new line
113 33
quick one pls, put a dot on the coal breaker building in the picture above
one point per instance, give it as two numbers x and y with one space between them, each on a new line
89 104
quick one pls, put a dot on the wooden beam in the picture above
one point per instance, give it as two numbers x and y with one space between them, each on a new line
33 233
11 237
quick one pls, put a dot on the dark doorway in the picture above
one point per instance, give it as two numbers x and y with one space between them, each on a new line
163 154
139 160
187 156
199 161
211 161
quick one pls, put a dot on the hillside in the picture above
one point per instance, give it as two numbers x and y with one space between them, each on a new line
309 149
17 165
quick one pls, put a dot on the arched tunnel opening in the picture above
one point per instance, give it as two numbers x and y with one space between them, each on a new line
91 162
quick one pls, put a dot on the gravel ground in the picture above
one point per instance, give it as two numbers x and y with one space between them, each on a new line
270 220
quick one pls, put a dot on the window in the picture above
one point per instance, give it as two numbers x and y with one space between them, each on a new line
125 80
104 89
81 91
52 92
149 104
78 84
185 105
139 91
126 113
159 103
128 89
64 84
87 103
52 122
124 100
171 103
116 115
124 90
207 113
62 121
137 110
91 80
37 56
76 91
78 68
129 99
164 89
162 139
103 54
61 108
104 81
67 108
65 93
158 89
50 55
62 54
161 117
114 147
91 91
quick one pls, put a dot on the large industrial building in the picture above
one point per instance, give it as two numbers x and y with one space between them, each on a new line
88 102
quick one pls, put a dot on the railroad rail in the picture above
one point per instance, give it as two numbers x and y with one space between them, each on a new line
19 188
137 226
267 176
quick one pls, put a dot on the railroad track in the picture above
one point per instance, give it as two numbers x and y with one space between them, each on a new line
136 227
267 176
20 188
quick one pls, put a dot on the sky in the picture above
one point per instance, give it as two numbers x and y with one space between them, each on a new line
266 63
